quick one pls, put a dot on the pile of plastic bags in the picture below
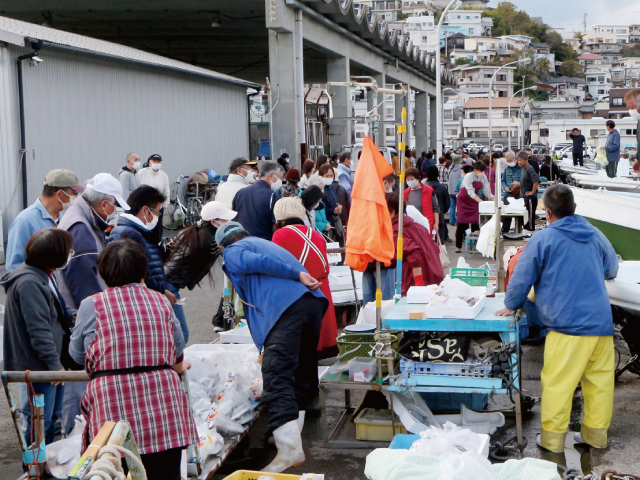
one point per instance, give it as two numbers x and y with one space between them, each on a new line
63 455
453 293
223 384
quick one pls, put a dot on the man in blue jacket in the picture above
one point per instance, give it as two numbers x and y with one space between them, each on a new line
567 264
612 146
284 309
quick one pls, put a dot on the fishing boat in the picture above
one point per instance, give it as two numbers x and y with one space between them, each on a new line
616 214
624 290
618 184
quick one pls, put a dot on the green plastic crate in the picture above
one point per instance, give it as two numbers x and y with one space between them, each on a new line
476 277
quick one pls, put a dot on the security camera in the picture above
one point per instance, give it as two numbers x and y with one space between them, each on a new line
37 59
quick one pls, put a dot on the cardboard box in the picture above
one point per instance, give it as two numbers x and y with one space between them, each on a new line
416 315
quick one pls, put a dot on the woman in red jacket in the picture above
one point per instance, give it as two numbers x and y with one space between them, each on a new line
420 254
422 197
310 249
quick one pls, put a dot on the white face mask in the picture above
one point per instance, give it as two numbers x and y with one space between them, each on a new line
511 164
315 206
65 206
154 220
112 215
136 165
634 114
277 185
327 181
388 189
412 183
155 166
249 177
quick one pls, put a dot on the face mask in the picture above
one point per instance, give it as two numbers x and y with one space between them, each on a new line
634 114
136 165
65 206
277 185
250 177
154 220
155 166
412 183
327 181
388 190
315 206
112 215
510 164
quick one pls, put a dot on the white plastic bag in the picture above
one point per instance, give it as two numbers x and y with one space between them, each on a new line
210 441
455 288
448 440
467 465
601 157
63 455
417 217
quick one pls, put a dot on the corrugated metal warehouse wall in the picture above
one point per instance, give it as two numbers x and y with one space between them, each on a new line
86 113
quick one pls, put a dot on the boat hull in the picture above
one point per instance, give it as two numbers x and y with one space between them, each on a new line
617 216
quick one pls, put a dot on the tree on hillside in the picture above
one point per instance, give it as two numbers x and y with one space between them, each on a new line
571 68
561 50
508 20
543 66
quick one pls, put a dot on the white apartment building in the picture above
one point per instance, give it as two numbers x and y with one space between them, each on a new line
600 37
422 32
621 32
574 43
567 88
470 22
513 43
634 33
599 82
417 8
476 115
478 77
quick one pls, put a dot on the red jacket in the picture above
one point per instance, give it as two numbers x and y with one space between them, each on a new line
419 251
427 204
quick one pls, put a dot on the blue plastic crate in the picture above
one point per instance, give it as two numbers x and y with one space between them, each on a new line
477 370
403 441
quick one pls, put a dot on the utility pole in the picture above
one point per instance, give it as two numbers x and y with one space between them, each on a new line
584 23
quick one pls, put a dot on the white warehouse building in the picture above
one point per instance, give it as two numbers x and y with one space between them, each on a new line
88 103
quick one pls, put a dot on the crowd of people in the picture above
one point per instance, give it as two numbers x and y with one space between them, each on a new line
79 279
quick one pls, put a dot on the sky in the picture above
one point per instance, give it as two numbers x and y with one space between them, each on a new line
570 13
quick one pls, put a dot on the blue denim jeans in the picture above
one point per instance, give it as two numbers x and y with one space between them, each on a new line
179 311
452 210
53 399
388 280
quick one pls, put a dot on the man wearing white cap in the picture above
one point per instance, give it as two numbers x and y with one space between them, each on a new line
87 220
61 188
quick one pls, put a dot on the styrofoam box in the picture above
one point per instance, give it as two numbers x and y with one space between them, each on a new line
225 347
340 270
488 207
420 294
338 284
358 276
463 313
343 297
237 335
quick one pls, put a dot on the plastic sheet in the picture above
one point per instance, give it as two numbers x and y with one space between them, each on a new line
448 440
63 455
210 441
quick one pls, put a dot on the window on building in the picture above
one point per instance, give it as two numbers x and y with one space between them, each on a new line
616 102
471 31
425 38
502 94
628 131
601 79
487 75
448 114
600 92
359 134
501 78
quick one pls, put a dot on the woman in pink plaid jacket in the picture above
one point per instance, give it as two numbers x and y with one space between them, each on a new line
131 344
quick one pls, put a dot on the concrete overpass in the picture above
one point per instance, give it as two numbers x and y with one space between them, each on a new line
292 42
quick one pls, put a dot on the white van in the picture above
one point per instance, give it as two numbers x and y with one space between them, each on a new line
387 152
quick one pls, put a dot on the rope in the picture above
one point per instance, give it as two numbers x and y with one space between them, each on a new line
110 468
34 432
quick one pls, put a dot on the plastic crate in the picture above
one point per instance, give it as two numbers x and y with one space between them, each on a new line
441 401
250 475
476 277
375 425
478 370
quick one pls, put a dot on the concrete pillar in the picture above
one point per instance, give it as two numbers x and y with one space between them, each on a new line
422 122
338 71
282 75
433 125
382 129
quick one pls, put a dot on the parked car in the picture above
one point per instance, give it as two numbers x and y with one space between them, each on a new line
631 151
448 148
542 148
465 145
387 152
475 146
588 153
560 146
498 147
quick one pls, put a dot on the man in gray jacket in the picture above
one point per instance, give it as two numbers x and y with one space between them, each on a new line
128 178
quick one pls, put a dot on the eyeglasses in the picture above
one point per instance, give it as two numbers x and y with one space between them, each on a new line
153 212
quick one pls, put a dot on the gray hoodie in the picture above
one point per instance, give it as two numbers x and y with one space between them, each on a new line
128 181
32 332
455 174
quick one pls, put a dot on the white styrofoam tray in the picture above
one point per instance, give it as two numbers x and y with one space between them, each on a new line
237 335
225 347
463 313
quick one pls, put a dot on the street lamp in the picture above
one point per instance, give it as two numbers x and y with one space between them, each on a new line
439 104
509 109
523 61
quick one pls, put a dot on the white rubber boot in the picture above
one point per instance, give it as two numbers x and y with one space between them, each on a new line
289 444
301 415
